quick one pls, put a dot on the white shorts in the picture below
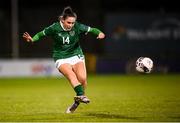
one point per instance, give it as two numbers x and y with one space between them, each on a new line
71 60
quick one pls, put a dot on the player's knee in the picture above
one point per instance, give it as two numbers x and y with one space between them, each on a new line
82 79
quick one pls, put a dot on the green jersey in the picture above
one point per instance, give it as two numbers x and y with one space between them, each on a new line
66 43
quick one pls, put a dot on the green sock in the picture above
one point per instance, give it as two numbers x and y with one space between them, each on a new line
79 90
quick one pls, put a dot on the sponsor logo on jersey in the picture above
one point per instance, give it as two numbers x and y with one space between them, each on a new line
59 34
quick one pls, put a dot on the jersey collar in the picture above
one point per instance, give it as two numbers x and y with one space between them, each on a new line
62 26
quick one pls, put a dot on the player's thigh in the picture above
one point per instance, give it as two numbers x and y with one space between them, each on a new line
67 71
80 71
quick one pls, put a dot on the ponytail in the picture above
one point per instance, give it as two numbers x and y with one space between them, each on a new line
67 12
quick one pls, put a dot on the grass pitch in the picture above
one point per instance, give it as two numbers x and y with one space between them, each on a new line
114 98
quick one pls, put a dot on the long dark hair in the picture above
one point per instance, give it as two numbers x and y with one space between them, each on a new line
67 12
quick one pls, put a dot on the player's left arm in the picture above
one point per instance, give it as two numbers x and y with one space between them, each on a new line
48 31
84 28
99 33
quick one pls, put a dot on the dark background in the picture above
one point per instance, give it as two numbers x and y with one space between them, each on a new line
34 15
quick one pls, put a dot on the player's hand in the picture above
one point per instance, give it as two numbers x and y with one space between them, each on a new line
101 35
27 37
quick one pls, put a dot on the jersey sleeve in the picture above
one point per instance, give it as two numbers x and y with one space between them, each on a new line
48 31
38 36
83 28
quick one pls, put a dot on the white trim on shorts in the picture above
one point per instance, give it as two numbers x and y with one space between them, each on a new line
71 60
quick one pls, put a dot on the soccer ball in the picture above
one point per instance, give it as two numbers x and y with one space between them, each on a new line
144 65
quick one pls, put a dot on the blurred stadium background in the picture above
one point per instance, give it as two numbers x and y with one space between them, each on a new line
133 29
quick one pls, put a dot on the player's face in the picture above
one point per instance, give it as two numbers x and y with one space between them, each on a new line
69 22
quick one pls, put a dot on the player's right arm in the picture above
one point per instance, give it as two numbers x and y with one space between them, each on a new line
36 37
48 31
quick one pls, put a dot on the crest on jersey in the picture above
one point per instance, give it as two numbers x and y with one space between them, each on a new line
72 33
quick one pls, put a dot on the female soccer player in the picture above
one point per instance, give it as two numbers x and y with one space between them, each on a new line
67 53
